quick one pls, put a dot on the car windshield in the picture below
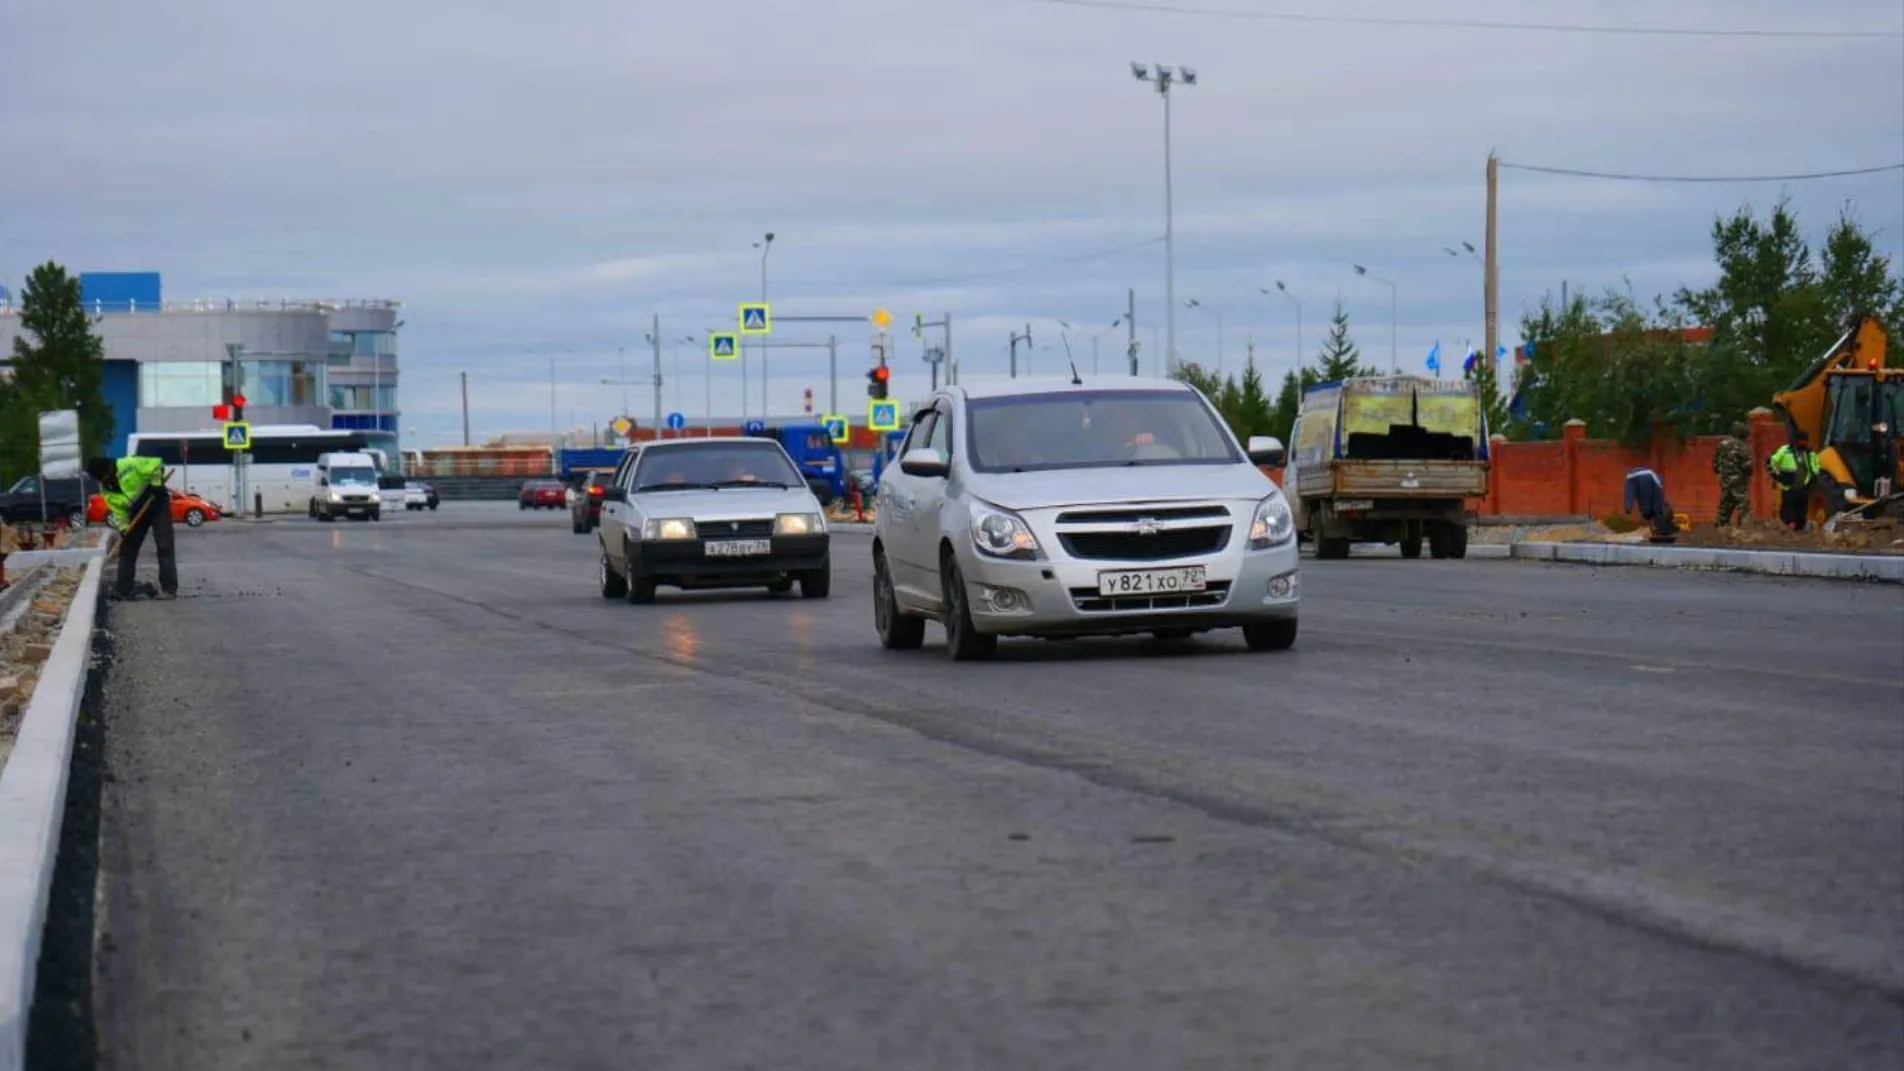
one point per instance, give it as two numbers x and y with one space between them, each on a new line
1094 429
715 464
354 477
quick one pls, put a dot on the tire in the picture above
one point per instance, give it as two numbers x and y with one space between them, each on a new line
897 631
1411 540
432 507
522 505
780 587
376 515
640 590
614 585
310 509
1457 540
963 642
577 527
194 517
1270 635
818 583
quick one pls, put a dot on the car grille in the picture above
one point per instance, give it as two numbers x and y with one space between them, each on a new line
355 499
1155 546
732 529
1087 600
1131 515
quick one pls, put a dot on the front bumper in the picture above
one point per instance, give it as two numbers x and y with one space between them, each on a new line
1060 597
684 562
359 508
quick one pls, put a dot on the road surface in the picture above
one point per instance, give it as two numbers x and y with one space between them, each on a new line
413 794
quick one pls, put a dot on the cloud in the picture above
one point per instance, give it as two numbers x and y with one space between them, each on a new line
549 179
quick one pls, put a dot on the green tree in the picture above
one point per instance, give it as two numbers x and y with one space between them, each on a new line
1253 412
58 363
1487 384
1282 415
1339 357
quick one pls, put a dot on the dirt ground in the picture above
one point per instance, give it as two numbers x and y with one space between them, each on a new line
26 647
1873 537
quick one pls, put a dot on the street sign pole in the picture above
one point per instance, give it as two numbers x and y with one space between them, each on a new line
832 374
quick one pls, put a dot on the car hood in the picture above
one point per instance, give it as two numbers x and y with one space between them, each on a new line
1084 487
728 503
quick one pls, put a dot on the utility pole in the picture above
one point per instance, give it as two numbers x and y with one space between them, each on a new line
1164 80
656 339
919 324
1394 311
832 374
551 402
241 459
621 373
1492 287
1130 318
1015 340
765 245
464 376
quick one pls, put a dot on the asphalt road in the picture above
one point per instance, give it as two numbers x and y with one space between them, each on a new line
413 794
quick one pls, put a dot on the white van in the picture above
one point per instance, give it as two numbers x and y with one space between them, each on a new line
346 484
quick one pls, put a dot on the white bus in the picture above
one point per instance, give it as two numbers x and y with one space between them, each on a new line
283 460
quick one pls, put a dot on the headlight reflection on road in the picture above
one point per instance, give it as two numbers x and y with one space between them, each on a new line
337 541
683 642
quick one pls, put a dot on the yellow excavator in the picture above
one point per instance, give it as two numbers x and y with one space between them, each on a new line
1851 406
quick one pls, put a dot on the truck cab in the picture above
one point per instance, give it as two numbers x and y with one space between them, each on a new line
1387 459
816 455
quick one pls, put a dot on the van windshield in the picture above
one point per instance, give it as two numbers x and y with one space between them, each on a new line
354 477
1095 429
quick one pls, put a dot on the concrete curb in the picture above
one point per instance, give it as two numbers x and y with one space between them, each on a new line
25 584
1883 567
27 559
32 805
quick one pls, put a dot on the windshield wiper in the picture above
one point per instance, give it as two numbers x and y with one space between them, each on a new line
750 483
674 487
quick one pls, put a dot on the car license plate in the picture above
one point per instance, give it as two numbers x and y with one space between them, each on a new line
738 548
1151 581
1354 504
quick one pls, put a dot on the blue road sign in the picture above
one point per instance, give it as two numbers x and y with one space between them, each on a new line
836 429
756 319
238 435
676 422
723 346
754 427
882 415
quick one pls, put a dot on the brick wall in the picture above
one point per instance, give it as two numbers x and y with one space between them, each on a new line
1578 476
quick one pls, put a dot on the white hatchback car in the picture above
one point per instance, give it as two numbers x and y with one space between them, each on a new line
711 513
1125 506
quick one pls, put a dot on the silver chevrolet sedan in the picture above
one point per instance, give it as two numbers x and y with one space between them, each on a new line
1066 509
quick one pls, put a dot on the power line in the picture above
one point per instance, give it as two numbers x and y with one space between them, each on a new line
1156 6
1703 178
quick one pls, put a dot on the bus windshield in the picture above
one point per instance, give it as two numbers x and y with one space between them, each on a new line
354 477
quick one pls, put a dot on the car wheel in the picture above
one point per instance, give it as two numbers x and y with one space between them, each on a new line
963 642
376 515
817 583
640 589
194 517
1271 635
432 507
614 586
1411 539
897 632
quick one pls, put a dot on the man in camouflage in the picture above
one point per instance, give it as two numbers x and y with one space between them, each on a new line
1732 461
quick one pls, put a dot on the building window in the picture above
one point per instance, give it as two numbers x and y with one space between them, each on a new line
374 343
363 399
179 384
284 383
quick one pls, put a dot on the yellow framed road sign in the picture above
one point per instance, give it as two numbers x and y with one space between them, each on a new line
756 318
837 428
723 346
882 414
238 435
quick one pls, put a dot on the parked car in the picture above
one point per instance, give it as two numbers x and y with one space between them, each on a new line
542 494
585 500
188 508
414 496
711 513
430 498
64 498
1124 506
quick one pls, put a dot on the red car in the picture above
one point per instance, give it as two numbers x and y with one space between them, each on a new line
542 494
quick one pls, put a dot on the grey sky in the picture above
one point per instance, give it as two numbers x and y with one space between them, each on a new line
547 176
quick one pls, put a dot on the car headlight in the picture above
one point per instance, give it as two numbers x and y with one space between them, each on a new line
1272 526
1001 534
668 528
798 524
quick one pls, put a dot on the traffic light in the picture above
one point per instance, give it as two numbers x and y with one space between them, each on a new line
237 407
878 378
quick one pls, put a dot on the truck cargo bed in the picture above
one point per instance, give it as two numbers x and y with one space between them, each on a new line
1396 479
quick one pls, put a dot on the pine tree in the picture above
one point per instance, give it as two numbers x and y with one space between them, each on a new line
1339 357
1253 415
63 367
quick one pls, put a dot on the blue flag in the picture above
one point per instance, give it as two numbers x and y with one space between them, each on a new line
1434 358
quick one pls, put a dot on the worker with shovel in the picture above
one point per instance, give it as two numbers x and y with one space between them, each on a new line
137 502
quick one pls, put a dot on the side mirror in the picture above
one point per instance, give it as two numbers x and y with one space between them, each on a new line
614 493
1266 450
924 462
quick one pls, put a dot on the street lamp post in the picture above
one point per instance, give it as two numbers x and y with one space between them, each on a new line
1164 78
765 245
1115 324
1193 303
1284 291
1394 306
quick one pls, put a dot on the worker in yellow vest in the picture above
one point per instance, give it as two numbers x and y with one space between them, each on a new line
1793 468
138 503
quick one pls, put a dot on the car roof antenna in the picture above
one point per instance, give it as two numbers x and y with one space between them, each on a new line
1075 380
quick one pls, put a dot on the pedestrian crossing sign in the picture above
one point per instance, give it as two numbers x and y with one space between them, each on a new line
723 347
756 319
882 415
238 435
837 429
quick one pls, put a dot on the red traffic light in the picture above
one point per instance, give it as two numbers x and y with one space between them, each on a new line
882 373
221 412
238 400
